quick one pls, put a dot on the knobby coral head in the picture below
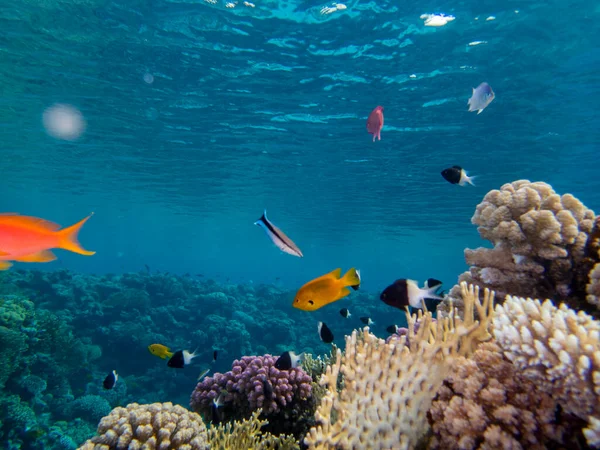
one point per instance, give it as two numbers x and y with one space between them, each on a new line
253 382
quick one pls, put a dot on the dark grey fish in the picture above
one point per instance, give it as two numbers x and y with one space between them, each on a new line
278 237
482 96
267 389
392 329
345 313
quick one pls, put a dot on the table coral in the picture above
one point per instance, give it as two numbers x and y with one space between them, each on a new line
159 425
557 349
540 243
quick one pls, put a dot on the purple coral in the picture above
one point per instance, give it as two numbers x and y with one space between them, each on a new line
253 382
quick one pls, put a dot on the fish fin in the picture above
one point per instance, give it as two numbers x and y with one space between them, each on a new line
351 278
68 238
344 292
5 265
168 355
39 257
28 221
430 294
262 218
4 253
479 111
470 180
335 274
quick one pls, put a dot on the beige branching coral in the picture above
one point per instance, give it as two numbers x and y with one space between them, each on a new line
389 387
556 348
161 426
539 240
485 403
247 434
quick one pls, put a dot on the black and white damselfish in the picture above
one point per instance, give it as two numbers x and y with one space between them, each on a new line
325 333
402 293
110 380
288 360
457 175
278 237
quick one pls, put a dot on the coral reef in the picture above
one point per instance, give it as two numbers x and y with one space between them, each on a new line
486 402
159 425
523 375
389 387
542 244
41 365
246 434
557 349
254 382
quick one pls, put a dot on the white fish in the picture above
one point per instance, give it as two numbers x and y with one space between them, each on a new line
278 237
482 96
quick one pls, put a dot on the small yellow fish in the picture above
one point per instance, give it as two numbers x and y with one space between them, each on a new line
326 289
203 374
160 350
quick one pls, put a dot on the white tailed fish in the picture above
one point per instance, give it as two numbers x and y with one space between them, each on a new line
284 243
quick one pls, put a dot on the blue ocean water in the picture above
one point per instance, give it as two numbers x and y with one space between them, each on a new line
264 106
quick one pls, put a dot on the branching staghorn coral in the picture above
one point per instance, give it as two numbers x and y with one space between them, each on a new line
558 350
389 387
541 244
246 434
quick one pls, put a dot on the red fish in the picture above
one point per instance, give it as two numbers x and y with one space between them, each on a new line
375 123
29 239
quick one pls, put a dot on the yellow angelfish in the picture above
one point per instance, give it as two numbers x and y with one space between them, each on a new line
326 289
160 350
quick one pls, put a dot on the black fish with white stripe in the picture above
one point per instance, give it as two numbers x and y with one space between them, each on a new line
278 237
110 380
325 333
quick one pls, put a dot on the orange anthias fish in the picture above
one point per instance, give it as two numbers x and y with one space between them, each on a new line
326 289
29 239
375 123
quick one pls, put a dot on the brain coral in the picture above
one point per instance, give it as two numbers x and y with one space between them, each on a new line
159 425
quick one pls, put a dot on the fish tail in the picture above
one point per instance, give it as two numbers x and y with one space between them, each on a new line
68 238
168 355
430 293
5 265
470 180
352 278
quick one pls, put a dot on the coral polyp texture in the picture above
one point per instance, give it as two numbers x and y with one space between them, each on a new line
485 402
252 383
156 426
556 348
541 243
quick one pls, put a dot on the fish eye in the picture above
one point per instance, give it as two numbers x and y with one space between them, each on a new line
311 302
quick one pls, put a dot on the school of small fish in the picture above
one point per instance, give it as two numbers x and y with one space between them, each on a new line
30 239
